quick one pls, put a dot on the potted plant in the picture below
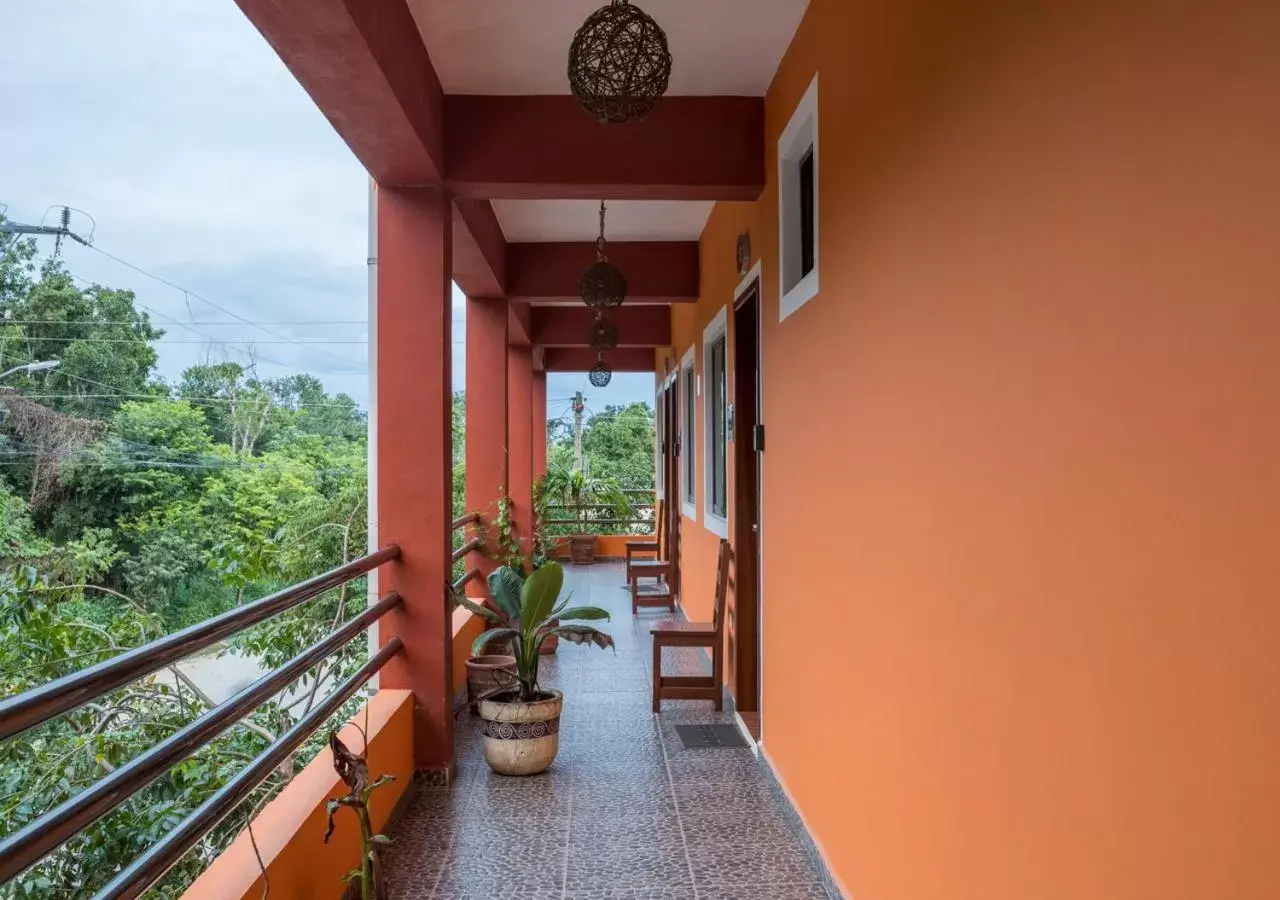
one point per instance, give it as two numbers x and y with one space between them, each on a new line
521 720
581 493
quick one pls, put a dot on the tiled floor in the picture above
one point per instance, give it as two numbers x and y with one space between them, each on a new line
626 813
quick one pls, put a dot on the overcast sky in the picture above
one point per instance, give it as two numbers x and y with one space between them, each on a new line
202 161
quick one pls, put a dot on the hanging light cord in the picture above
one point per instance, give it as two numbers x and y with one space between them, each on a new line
600 257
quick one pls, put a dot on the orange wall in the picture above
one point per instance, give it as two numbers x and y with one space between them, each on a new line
1036 405
290 829
608 546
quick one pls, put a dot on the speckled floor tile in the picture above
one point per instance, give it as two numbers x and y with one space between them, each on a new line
627 865
794 891
626 813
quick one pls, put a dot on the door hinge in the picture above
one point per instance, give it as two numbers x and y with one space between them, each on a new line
757 438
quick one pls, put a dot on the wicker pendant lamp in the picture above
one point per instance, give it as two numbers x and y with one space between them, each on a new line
619 63
600 374
602 286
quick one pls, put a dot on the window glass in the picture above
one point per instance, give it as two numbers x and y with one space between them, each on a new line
687 442
717 397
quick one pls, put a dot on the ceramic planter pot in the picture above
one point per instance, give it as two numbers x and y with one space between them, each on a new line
551 644
484 673
521 738
582 549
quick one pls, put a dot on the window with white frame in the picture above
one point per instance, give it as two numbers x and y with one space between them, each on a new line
688 432
798 174
715 395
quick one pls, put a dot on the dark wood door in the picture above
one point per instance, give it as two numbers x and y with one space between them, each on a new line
748 437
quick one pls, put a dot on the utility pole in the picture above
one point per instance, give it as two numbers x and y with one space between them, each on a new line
63 229
578 406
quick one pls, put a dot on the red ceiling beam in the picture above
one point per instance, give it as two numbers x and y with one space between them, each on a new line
479 250
366 68
546 147
656 272
567 326
580 359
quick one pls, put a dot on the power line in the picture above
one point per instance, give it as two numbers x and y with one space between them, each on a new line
249 354
174 398
162 341
317 322
200 297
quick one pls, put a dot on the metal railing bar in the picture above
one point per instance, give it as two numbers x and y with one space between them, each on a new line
469 547
51 830
598 522
148 868
39 705
462 521
465 579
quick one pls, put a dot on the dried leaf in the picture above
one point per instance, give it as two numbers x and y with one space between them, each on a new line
352 768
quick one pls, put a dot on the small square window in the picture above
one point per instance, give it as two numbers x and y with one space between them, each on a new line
799 193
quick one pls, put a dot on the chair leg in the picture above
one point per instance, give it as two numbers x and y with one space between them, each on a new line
657 677
717 674
635 597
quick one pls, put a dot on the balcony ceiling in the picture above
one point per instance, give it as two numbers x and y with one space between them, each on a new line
579 220
720 47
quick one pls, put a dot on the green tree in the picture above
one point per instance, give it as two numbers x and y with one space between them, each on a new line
99 338
618 444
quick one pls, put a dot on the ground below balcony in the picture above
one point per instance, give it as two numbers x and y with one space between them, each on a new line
626 812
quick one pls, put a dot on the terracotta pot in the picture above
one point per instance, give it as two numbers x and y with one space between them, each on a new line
484 673
551 644
521 738
582 549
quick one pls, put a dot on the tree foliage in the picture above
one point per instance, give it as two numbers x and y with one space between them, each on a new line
181 503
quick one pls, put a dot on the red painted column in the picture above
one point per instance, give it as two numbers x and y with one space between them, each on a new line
520 440
486 418
539 425
414 334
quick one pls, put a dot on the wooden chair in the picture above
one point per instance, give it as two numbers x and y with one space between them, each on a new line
662 591
654 546
679 633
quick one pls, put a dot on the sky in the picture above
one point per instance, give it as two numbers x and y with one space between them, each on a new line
202 161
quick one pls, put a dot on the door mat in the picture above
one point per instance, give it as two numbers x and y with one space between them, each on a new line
702 737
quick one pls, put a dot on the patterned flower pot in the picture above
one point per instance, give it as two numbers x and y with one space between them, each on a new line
582 549
521 738
484 673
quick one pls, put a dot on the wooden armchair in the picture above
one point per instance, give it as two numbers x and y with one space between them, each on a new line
679 633
654 546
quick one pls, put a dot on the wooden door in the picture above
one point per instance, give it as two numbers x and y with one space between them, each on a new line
748 438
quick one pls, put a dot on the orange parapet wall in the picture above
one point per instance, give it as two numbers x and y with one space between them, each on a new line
290 829
608 546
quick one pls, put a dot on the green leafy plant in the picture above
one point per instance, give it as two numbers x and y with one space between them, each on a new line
529 611
353 769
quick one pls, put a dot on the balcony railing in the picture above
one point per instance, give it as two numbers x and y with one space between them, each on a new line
35 707
461 551
563 518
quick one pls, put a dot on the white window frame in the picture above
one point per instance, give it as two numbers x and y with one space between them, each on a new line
688 442
800 134
714 522
659 433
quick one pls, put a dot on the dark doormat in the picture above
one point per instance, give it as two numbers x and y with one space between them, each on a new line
701 737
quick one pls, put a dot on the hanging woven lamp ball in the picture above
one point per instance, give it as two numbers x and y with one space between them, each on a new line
603 334
600 374
619 64
603 286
